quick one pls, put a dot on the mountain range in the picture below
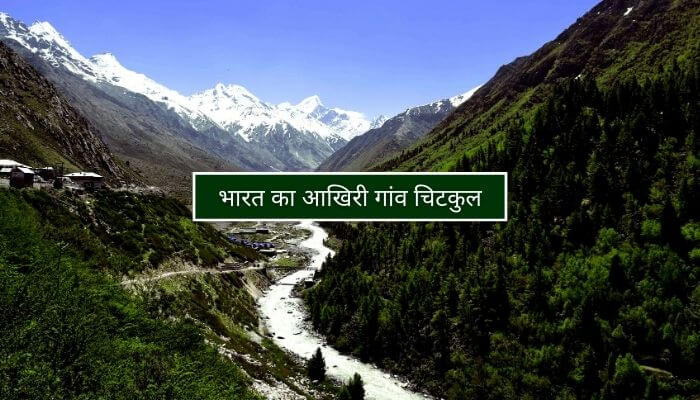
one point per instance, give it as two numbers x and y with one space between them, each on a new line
166 135
393 136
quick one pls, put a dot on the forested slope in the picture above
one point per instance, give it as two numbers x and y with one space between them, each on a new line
615 40
590 290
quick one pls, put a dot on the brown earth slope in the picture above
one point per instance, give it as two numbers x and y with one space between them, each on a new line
39 127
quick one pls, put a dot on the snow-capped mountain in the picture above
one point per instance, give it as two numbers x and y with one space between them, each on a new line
394 135
292 133
107 69
334 121
43 39
237 110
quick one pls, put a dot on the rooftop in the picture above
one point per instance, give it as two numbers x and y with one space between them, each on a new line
11 163
83 175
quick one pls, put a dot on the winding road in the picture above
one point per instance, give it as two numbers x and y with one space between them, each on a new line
215 271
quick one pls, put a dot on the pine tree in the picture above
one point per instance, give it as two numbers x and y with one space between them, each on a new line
356 387
316 367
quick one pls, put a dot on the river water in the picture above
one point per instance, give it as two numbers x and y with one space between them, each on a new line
284 317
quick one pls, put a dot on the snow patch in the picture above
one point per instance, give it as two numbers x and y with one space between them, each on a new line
110 70
459 99
310 104
629 10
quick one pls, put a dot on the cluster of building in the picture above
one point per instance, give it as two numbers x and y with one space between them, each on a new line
267 248
250 243
23 176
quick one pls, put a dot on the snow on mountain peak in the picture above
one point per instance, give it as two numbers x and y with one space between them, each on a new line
108 69
106 59
232 91
236 109
232 107
461 98
378 121
45 29
309 104
43 39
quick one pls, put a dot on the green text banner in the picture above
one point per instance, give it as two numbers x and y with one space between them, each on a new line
352 196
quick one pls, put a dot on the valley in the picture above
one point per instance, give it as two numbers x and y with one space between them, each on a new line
285 320
590 289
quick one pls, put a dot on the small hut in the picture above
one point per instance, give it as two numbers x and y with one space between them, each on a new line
87 180
21 177
11 164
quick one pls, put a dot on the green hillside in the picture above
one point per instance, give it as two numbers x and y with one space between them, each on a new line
592 288
68 328
80 316
605 45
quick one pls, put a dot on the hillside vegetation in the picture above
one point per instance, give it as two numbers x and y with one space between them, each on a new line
68 330
590 290
614 41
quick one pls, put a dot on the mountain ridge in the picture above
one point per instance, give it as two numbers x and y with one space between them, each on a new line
393 135
614 40
39 127
262 126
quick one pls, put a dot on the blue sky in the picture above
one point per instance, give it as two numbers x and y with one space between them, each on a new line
377 57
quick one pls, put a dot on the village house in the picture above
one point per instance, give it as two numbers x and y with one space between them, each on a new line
245 231
46 173
87 180
11 164
7 165
21 177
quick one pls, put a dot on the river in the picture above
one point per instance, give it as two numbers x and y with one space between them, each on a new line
284 317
